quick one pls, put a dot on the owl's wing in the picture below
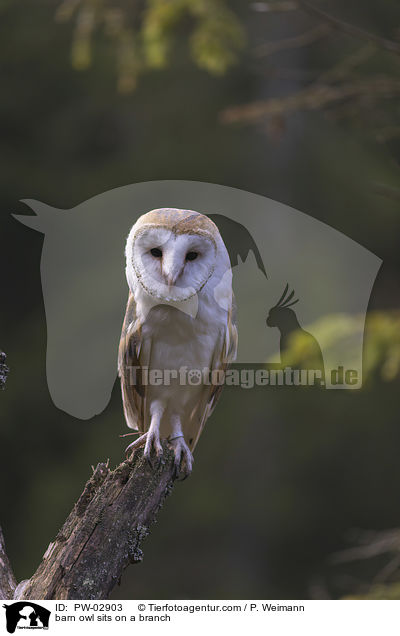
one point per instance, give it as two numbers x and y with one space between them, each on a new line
130 369
224 354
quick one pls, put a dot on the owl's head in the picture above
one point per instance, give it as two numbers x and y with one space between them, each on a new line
173 253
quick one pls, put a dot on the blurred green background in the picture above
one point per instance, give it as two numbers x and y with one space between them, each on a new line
100 94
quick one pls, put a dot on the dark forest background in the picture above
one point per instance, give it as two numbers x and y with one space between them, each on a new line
297 101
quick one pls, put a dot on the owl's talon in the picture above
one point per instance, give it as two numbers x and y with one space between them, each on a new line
140 441
153 462
153 443
183 458
185 476
149 461
157 462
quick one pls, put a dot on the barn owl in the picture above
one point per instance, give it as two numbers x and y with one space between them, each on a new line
179 316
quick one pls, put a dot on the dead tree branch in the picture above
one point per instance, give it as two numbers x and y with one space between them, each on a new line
350 29
372 544
329 19
8 582
103 533
314 97
3 369
347 65
303 39
387 190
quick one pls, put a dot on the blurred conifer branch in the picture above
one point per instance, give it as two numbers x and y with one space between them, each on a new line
346 27
144 34
329 19
350 89
315 97
382 546
313 35
382 188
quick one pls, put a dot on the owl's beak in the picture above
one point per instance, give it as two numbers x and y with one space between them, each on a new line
171 281
171 269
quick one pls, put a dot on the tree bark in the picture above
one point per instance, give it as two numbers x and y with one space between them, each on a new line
8 582
3 369
103 533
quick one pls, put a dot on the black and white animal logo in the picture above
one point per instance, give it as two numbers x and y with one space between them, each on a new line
26 615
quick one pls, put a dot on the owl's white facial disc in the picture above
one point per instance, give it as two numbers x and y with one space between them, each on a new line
172 267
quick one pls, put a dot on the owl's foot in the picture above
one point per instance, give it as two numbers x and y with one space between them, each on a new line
183 457
153 442
138 443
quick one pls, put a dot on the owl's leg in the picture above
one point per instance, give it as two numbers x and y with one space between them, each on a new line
183 457
140 441
153 434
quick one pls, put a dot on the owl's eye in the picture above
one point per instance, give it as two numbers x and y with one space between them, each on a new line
191 256
156 252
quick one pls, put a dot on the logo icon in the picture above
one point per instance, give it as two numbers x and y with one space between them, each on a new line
26 615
